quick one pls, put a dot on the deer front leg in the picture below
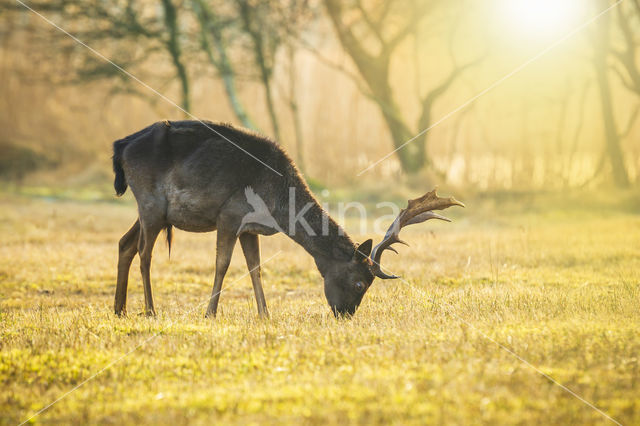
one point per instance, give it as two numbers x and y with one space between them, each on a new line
225 243
127 250
251 248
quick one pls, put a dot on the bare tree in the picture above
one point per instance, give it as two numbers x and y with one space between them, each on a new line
626 66
602 50
292 102
173 46
215 44
128 35
365 34
264 42
270 25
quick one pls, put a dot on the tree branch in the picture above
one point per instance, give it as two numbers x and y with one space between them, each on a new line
408 28
373 27
630 122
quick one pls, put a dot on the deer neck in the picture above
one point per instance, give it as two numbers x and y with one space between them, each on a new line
309 225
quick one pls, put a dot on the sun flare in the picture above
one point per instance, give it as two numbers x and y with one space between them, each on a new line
541 18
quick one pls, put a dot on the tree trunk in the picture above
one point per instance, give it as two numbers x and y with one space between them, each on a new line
412 155
260 60
173 46
295 112
209 25
266 82
612 138
228 79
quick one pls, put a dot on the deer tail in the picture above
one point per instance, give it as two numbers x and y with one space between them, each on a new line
120 181
169 230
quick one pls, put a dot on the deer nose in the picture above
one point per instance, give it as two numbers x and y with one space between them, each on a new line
343 311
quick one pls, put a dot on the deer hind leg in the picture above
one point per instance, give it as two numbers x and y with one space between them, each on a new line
150 231
127 250
225 243
251 247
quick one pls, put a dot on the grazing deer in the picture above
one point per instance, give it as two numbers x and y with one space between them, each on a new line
201 177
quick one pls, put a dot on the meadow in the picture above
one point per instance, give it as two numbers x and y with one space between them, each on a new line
509 290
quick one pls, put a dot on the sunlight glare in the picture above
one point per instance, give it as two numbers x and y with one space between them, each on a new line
541 18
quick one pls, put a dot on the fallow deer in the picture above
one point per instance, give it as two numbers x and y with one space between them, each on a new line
200 177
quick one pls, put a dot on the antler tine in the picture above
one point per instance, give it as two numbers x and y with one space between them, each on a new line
417 211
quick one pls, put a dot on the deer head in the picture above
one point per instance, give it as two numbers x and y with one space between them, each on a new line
346 284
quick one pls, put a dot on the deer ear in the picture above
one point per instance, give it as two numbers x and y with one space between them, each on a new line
363 251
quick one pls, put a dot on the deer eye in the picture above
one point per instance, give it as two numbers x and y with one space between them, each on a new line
359 286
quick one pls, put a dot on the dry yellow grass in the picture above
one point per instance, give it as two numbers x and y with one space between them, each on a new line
561 289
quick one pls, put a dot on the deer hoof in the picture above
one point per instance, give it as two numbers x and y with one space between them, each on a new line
120 311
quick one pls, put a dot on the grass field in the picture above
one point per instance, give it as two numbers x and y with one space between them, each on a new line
557 285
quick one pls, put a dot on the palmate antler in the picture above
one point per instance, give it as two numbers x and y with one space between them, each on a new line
417 211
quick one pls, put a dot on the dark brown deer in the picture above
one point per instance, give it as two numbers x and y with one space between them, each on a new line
201 177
